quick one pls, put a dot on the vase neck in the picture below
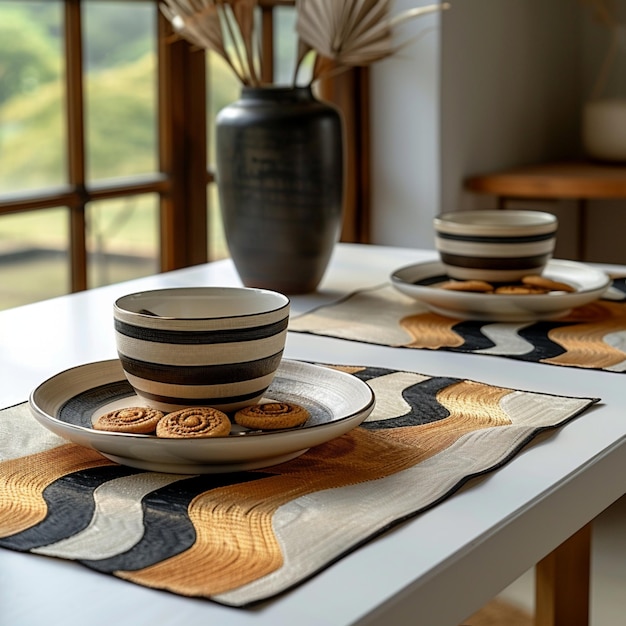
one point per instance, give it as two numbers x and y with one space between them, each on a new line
278 94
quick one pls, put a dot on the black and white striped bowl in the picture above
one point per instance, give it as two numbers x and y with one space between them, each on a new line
495 245
201 346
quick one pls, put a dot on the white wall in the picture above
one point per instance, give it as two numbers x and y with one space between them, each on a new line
510 86
405 136
487 85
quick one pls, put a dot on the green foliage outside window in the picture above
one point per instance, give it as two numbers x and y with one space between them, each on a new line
120 96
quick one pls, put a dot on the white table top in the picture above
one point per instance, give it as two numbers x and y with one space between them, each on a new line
434 570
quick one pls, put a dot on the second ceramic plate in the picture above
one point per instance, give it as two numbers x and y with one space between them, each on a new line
71 401
420 282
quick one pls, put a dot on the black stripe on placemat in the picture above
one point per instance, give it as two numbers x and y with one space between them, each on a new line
168 529
70 502
422 400
201 374
201 337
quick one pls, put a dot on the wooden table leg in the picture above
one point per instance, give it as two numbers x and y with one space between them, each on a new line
562 583
582 229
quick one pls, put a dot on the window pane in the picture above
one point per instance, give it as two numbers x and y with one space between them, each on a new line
121 88
223 88
122 240
34 262
217 241
32 145
285 45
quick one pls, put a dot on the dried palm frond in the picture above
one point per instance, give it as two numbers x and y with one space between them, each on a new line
222 26
341 33
352 32
243 12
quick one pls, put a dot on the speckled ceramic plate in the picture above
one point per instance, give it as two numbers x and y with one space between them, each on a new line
420 282
70 402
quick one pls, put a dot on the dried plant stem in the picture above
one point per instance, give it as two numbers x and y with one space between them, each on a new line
607 63
324 68
410 14
340 33
246 70
604 12
351 33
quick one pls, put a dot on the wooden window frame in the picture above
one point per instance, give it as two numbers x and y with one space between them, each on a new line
182 179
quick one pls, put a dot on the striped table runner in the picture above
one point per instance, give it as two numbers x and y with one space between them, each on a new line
244 537
592 336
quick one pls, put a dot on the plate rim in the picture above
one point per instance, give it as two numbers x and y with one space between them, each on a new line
553 262
563 302
106 435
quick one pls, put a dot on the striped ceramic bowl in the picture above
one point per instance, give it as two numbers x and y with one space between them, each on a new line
201 346
495 245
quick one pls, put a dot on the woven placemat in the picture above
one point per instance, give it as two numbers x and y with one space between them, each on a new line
591 336
244 537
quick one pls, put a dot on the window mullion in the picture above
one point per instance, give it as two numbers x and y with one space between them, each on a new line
182 150
267 44
76 142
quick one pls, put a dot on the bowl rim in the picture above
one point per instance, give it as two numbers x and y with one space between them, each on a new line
283 302
506 219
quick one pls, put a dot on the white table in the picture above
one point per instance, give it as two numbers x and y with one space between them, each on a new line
434 570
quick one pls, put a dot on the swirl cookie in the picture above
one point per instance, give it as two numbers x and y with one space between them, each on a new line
512 290
272 416
475 286
542 282
139 420
194 422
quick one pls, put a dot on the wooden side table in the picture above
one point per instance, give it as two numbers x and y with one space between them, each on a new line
576 180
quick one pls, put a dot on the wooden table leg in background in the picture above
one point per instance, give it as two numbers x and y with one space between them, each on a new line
562 583
582 229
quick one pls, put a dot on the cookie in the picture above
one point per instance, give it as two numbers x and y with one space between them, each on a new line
478 286
194 422
272 416
513 290
139 420
547 283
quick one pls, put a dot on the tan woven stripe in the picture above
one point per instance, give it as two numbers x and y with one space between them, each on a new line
477 403
472 406
235 542
584 342
431 331
240 516
350 369
24 479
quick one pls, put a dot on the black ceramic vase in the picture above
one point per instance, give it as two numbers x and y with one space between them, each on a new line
280 175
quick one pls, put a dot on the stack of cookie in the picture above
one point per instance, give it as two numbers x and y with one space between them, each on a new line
533 284
201 421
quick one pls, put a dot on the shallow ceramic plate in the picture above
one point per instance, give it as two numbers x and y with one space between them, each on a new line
71 401
419 281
